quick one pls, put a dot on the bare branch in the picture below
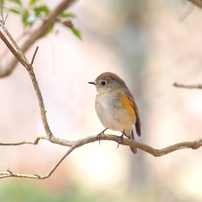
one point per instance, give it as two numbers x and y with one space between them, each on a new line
76 144
196 86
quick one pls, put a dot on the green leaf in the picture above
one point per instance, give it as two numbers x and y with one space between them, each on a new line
67 15
32 3
76 33
42 11
25 20
17 2
14 10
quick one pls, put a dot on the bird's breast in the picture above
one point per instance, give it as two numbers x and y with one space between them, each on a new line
115 111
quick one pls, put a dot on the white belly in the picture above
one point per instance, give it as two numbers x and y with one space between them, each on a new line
111 113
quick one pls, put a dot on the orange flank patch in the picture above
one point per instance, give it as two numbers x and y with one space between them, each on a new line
126 103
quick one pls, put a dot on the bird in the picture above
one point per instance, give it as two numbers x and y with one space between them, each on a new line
116 107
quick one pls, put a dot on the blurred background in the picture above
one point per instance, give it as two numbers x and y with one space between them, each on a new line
151 45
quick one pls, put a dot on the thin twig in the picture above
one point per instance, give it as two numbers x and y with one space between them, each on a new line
58 163
34 55
35 142
195 86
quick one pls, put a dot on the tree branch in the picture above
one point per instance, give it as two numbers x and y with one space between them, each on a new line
196 86
78 143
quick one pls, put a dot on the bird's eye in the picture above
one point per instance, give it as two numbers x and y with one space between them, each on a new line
103 83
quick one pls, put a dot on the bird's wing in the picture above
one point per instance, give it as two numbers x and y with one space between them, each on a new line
133 103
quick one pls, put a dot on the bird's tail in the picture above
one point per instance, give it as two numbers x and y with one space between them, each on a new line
130 135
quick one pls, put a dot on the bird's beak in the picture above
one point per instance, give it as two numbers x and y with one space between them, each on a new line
92 82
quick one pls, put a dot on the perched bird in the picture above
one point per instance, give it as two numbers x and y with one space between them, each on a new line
115 106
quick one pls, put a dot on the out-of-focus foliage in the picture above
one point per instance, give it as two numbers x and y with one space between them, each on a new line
35 11
23 192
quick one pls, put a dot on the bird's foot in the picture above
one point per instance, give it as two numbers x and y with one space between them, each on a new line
101 134
121 139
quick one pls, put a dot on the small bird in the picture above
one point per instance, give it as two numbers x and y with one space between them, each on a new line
115 106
